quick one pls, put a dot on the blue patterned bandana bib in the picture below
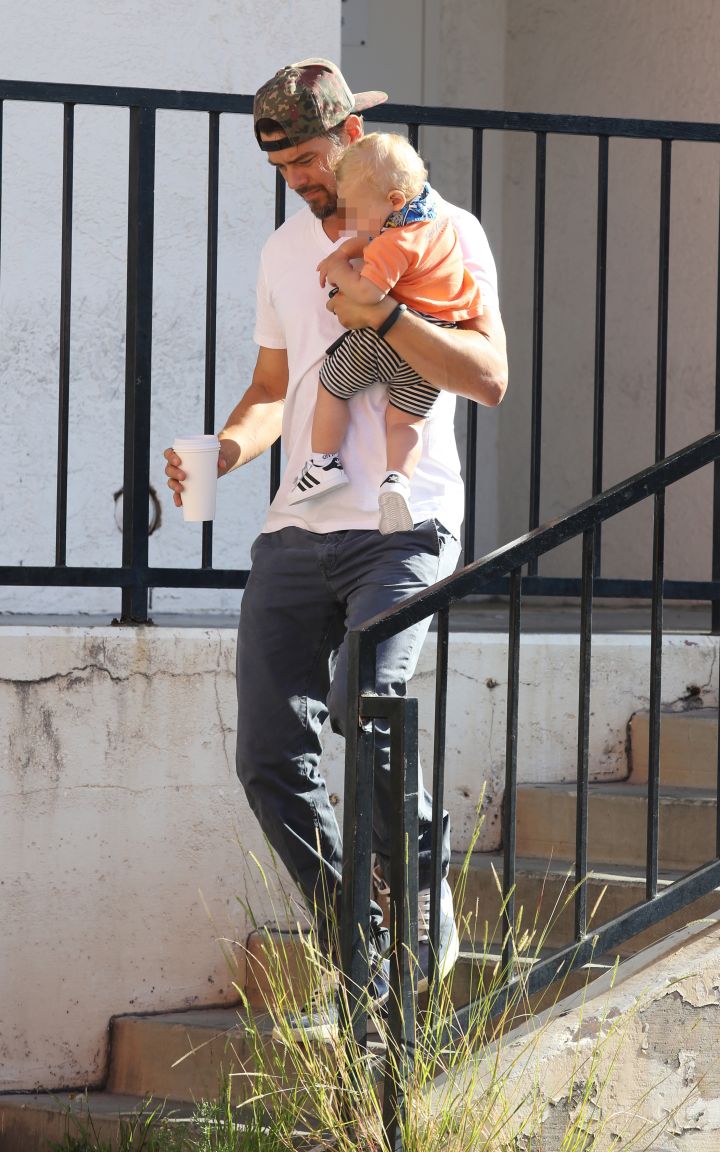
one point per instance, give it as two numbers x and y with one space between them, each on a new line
422 207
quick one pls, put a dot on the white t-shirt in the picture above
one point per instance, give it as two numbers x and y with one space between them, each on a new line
291 314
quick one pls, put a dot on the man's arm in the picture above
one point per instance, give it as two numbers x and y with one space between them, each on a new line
252 426
470 361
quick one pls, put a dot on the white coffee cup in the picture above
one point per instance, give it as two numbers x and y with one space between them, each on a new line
199 456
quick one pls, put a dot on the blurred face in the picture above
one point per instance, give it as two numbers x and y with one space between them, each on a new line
306 170
362 207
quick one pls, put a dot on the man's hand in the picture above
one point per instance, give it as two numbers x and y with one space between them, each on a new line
175 475
354 315
228 455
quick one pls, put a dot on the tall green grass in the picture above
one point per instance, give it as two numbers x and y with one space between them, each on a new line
475 1091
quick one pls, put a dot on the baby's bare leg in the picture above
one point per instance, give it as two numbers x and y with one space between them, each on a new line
404 445
330 422
404 440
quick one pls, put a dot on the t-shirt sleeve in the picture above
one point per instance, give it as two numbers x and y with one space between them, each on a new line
268 329
385 260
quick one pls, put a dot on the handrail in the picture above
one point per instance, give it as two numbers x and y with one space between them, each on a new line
189 100
473 579
400 713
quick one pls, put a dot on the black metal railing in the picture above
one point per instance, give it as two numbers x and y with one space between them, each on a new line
134 575
402 715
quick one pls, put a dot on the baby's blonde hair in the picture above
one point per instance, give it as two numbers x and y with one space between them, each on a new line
384 160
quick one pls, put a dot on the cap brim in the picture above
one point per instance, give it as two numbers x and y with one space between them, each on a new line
365 100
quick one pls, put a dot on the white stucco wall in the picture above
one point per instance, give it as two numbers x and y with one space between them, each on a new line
208 46
127 849
649 59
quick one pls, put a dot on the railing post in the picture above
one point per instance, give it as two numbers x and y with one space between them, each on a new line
403 917
357 833
136 480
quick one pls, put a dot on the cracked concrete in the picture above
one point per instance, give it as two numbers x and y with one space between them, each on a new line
124 838
634 1059
121 817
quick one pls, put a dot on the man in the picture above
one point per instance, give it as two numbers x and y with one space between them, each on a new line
322 567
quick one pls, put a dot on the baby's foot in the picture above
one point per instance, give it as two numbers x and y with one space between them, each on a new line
319 474
394 501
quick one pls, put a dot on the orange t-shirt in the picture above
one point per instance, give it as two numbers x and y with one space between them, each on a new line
421 264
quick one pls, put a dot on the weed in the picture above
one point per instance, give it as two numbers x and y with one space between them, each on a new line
472 1089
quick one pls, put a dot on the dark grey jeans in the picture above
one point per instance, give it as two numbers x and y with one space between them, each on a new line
304 592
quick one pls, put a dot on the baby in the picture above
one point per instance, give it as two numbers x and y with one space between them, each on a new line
412 252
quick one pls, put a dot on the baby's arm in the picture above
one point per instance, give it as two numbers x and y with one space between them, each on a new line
337 270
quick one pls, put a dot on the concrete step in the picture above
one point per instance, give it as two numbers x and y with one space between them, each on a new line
277 959
184 1055
617 822
30 1121
544 891
476 973
688 748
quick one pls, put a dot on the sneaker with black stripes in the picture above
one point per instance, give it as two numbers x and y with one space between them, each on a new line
317 477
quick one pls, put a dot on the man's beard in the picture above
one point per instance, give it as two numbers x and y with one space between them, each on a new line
322 209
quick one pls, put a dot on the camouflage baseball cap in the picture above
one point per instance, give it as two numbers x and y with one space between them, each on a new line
307 99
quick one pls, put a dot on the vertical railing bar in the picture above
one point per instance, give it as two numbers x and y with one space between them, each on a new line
2 110
276 450
211 303
403 917
65 315
717 791
138 361
471 426
414 135
656 623
656 637
510 796
600 324
537 338
715 609
663 300
477 172
438 788
357 833
471 417
581 826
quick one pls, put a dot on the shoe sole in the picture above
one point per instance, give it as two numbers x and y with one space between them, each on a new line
395 515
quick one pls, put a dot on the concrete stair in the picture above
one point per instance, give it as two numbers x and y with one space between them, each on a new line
178 1058
617 831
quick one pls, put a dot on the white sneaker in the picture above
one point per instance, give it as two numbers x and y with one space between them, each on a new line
448 941
315 479
394 501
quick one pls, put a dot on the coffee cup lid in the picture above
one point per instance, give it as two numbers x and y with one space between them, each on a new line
196 443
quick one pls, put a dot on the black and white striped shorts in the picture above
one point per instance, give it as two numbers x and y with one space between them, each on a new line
361 358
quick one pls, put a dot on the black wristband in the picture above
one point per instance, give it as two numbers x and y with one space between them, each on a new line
390 320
